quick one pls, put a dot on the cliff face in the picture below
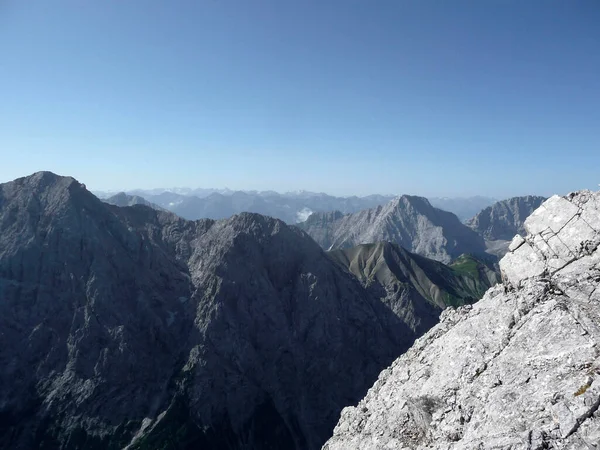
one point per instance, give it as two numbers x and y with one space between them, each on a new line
408 221
520 369
505 218
132 327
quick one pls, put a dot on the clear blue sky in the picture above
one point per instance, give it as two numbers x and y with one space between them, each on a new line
491 97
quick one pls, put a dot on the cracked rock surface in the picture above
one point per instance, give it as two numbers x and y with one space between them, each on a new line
518 370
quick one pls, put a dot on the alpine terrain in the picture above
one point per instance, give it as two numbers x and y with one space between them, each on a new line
500 222
291 207
129 327
520 369
416 288
408 221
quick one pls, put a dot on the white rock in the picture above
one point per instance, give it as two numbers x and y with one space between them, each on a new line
520 370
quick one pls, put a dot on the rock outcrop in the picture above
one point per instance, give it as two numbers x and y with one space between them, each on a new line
131 327
518 370
408 221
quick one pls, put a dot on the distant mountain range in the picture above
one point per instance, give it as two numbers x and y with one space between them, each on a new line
291 207
496 223
132 327
408 221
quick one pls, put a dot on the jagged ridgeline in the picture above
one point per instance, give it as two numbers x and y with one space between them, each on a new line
520 369
131 327
408 221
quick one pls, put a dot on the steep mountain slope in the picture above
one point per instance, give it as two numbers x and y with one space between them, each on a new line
408 221
131 326
505 218
416 288
122 199
518 370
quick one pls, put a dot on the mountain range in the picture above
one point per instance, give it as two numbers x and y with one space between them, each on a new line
520 369
133 327
408 221
291 207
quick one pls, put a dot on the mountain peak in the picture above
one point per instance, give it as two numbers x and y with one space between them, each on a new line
44 180
45 189
409 221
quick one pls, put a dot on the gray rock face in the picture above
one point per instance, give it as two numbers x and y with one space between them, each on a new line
122 199
504 219
131 327
408 221
518 370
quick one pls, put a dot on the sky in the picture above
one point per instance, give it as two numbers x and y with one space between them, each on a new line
435 98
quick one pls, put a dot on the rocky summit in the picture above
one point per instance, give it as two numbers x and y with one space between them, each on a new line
133 328
408 221
520 369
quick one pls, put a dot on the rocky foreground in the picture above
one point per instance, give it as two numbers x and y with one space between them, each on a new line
518 370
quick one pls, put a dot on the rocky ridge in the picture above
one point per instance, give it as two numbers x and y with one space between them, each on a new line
134 328
408 221
520 369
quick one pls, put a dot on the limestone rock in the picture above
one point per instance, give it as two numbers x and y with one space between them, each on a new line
520 369
131 327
